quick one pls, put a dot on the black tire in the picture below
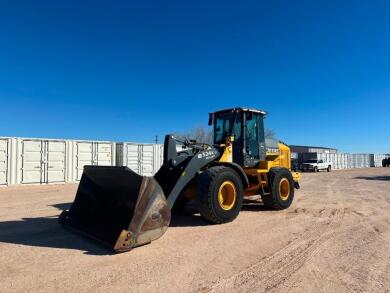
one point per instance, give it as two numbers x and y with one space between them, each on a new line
315 170
275 199
208 188
329 168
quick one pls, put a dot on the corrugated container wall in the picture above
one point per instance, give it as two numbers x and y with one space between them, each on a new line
144 159
96 153
346 161
359 161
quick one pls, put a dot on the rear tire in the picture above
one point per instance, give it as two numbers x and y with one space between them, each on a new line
329 168
219 194
281 189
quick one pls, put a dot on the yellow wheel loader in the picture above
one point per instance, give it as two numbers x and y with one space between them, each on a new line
124 210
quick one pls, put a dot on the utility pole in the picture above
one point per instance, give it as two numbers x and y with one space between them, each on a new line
156 139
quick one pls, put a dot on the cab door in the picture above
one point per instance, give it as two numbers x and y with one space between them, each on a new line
254 149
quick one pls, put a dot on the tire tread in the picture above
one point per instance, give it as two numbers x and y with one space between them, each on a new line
204 193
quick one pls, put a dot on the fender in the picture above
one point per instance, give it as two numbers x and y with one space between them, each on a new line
238 169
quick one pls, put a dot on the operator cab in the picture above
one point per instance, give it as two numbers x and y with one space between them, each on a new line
246 126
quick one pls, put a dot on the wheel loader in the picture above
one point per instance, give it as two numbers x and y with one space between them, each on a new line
123 210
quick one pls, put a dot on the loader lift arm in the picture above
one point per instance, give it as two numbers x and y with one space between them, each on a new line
178 170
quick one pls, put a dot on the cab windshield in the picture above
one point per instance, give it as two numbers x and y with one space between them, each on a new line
311 161
226 124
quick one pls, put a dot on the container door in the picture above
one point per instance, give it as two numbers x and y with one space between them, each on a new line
133 157
84 157
147 160
103 154
32 170
3 161
55 161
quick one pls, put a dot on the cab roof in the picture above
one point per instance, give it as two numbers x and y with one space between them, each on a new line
240 109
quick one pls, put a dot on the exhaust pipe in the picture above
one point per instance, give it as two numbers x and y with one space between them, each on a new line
118 207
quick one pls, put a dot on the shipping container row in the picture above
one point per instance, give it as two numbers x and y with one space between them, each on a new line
26 161
41 161
349 161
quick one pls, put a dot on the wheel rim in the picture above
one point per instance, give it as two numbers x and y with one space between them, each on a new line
284 188
227 195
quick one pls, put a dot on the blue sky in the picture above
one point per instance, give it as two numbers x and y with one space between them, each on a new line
128 70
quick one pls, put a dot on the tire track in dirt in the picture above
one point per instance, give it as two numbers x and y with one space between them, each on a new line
273 271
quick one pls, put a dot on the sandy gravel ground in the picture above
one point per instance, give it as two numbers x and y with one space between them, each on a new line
334 238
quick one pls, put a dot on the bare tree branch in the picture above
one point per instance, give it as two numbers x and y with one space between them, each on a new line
200 134
269 133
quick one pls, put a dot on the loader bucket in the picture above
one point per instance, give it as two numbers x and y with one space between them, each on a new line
118 207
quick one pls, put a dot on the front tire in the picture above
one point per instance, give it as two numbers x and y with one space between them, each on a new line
315 169
219 194
329 168
281 185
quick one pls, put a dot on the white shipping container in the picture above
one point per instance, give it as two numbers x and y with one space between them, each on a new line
96 153
144 159
359 161
37 161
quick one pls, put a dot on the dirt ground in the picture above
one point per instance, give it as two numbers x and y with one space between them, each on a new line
334 238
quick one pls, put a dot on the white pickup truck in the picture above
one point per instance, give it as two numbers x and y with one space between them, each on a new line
316 165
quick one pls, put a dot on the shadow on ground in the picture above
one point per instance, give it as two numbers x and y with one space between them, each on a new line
190 217
47 232
380 178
